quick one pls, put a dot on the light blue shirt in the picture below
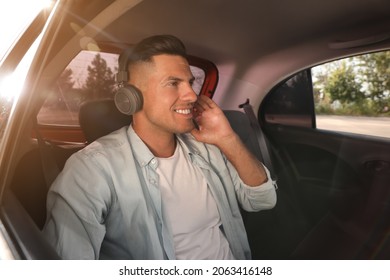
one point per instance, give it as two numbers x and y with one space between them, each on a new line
106 203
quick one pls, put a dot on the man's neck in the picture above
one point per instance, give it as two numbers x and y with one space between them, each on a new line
161 144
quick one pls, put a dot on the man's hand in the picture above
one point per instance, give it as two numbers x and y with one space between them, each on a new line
214 128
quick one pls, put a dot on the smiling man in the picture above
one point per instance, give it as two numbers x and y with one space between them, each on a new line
161 188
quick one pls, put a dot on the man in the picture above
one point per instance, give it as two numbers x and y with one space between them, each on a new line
160 188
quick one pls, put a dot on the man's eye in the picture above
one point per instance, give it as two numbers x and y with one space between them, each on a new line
173 83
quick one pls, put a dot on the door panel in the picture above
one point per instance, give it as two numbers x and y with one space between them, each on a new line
341 182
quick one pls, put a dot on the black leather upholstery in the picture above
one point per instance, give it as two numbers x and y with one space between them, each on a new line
100 117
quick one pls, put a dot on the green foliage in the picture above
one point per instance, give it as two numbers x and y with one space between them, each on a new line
354 86
342 85
376 69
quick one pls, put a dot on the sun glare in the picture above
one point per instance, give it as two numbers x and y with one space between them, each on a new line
11 85
15 16
14 19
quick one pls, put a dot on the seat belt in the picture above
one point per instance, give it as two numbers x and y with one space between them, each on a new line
49 165
262 141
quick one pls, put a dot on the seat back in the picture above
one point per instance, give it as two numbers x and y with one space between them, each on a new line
101 117
29 184
241 125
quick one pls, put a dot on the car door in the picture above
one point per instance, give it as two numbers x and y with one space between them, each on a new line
337 176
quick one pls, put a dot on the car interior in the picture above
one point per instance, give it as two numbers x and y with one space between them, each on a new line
333 187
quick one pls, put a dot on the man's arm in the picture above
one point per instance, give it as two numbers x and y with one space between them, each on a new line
214 128
73 225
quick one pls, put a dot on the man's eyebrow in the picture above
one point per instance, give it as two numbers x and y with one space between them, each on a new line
173 78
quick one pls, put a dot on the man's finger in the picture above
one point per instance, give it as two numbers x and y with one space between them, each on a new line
205 102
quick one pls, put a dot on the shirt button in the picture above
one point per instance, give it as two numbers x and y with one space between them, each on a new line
153 161
152 181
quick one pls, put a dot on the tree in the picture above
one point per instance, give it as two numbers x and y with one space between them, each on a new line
360 84
100 82
375 70
342 85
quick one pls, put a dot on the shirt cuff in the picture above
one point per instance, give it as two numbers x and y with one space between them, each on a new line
267 185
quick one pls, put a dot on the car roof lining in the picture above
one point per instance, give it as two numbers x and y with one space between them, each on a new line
128 21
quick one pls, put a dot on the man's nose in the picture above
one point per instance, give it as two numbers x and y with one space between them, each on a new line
189 94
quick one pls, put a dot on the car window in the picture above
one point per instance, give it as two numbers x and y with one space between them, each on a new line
90 76
353 94
348 95
11 28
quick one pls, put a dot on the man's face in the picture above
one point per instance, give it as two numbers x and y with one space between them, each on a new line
168 95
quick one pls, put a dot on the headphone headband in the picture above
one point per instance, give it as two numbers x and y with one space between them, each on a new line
123 74
121 78
128 99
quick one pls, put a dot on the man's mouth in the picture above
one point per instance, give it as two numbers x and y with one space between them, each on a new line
183 111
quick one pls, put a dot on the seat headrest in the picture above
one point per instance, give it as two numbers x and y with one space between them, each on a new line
101 117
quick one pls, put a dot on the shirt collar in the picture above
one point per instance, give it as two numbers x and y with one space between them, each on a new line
187 142
144 156
141 152
196 150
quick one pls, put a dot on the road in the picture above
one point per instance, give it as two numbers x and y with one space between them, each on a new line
376 126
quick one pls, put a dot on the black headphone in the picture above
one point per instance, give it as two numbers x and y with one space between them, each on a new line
128 99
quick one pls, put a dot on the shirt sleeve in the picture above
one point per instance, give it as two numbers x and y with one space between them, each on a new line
76 205
255 198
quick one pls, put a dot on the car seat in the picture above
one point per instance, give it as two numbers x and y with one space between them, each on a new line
101 117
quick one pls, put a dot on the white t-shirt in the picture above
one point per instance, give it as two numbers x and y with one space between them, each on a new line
190 209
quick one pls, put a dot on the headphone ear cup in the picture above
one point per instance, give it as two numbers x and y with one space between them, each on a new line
128 100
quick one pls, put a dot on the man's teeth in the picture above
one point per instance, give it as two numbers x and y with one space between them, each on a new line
183 111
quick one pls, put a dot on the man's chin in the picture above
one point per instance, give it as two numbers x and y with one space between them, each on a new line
187 129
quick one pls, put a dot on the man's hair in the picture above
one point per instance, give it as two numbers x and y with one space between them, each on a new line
152 46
